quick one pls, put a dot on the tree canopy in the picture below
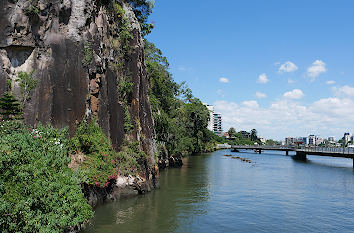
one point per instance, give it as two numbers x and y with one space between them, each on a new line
180 119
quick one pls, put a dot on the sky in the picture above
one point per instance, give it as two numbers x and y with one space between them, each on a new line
283 67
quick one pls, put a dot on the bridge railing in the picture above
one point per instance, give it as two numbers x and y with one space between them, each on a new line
347 150
264 147
339 150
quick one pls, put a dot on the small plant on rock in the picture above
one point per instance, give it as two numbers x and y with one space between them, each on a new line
32 10
87 53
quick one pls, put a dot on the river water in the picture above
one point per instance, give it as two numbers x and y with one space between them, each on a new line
215 193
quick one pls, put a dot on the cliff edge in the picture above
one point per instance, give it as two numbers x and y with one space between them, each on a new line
87 59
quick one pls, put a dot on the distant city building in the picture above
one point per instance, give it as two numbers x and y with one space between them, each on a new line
312 140
211 118
245 134
262 139
315 140
347 137
217 127
290 141
319 141
303 140
331 139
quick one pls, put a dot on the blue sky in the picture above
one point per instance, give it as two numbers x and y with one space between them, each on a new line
285 68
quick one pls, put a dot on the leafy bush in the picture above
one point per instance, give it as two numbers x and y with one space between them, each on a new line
118 10
102 163
32 10
87 53
38 192
128 126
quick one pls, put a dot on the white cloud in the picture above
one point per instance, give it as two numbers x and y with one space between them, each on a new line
250 104
343 91
316 69
262 78
260 95
288 67
294 94
330 82
223 80
283 118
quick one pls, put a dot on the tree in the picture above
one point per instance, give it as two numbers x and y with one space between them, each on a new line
254 135
198 117
232 132
10 107
180 119
142 10
271 142
27 84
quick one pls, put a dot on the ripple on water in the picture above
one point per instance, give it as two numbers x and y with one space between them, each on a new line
215 193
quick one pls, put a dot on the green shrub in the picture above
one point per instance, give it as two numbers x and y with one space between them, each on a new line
128 126
102 163
125 89
32 10
118 10
38 192
8 84
9 126
87 53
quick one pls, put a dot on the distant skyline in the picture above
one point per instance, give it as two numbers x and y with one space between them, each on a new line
285 68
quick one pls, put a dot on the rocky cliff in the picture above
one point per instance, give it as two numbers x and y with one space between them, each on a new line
87 58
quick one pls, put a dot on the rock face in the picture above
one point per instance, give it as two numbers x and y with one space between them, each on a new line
77 52
120 188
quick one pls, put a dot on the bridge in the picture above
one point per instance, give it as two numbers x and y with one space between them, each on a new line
301 152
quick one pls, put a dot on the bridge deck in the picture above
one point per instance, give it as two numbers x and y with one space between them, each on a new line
321 151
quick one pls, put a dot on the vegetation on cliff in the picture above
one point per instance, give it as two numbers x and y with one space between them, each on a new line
180 119
38 192
102 164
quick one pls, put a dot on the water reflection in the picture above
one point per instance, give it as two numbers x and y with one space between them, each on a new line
214 193
184 194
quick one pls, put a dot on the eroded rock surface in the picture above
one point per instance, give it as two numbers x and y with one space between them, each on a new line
75 51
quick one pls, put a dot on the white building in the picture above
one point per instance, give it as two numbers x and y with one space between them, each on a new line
290 141
331 139
315 140
347 137
217 127
262 139
312 140
319 141
211 119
